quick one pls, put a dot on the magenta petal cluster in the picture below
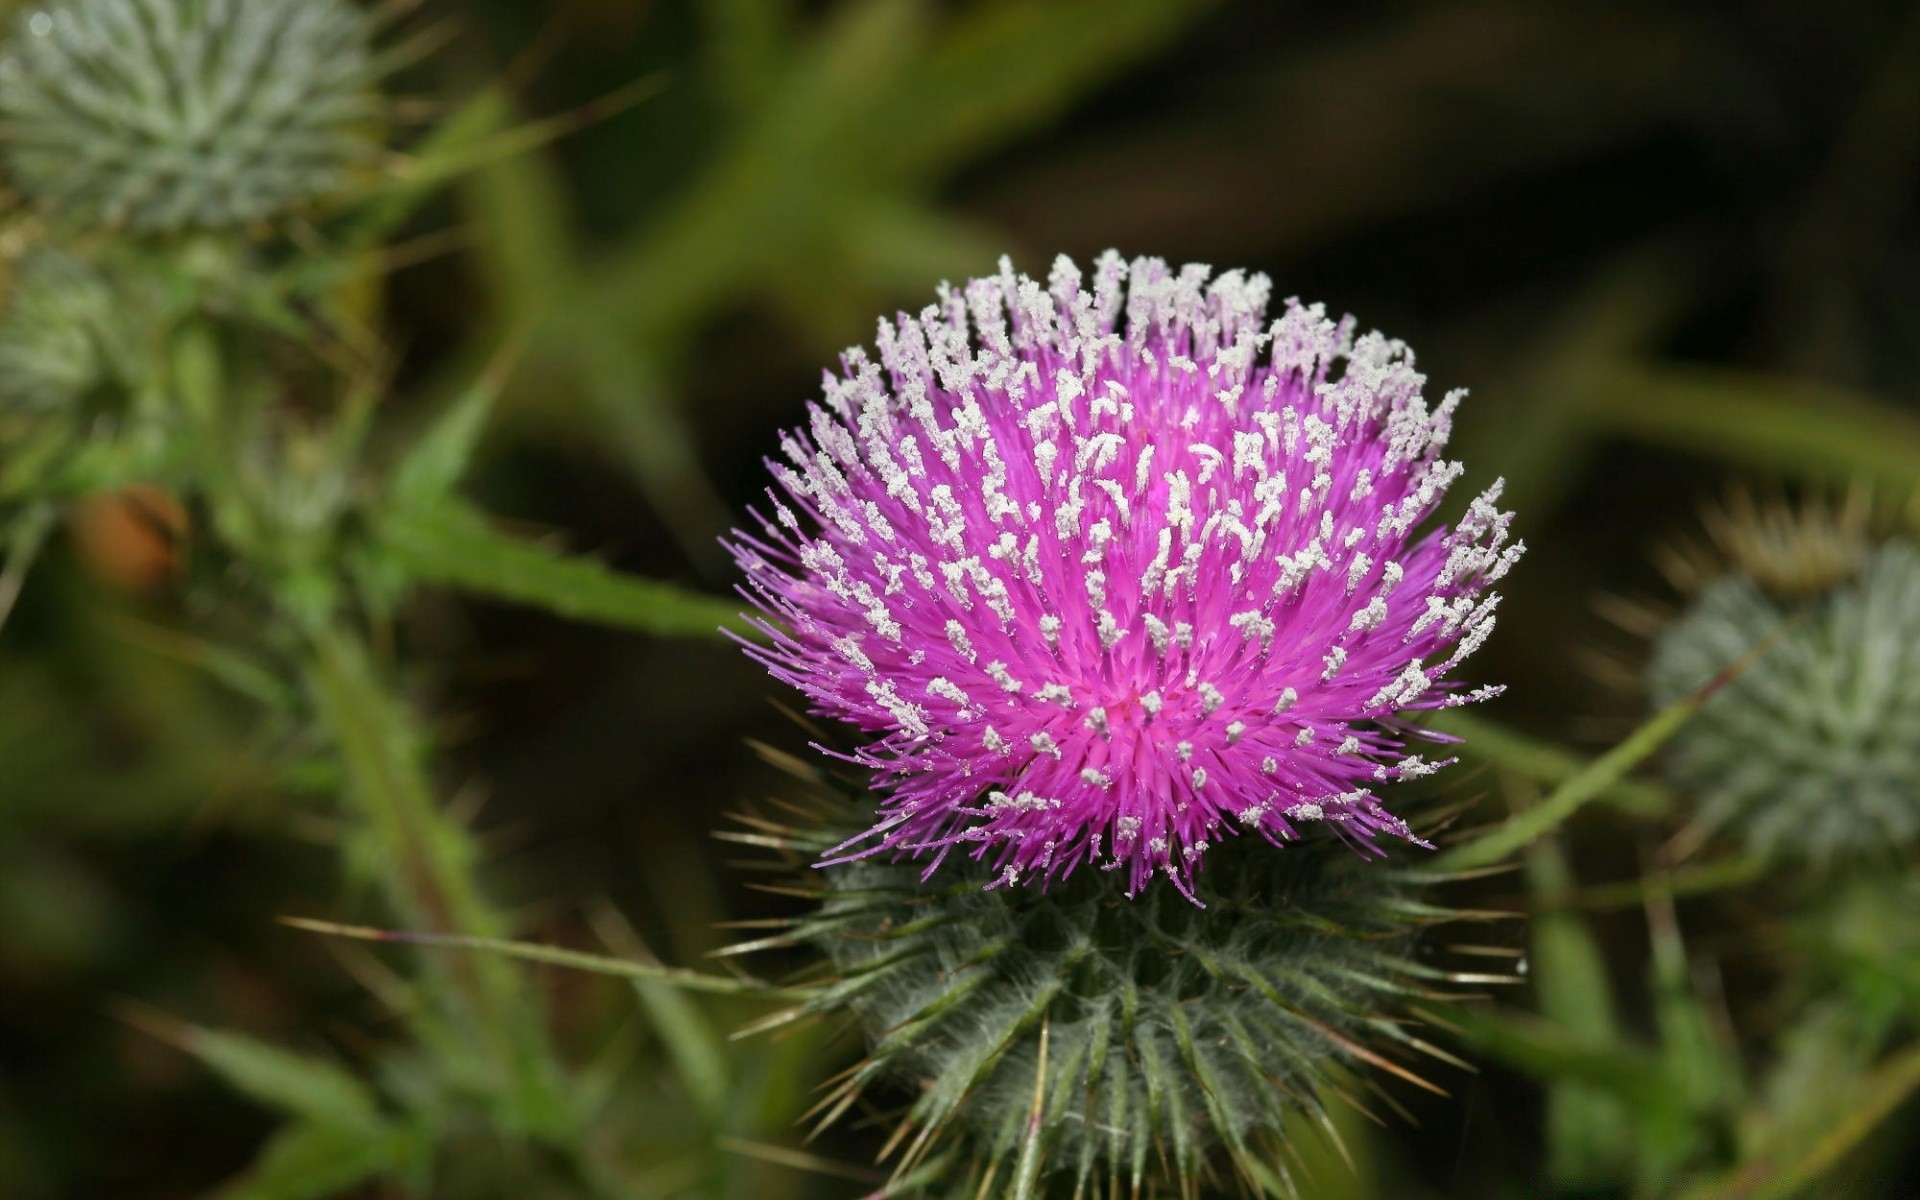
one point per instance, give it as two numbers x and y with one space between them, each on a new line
1113 568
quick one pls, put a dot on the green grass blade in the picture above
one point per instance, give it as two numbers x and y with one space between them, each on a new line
316 1091
1802 428
317 1162
1881 1093
1587 1125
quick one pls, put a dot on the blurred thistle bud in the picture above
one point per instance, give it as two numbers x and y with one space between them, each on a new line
162 115
1812 753
1860 943
1100 1044
64 335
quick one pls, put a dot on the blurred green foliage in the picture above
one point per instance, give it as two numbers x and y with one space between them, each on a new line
1668 244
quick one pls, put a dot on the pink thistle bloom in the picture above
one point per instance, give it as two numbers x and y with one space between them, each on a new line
1113 571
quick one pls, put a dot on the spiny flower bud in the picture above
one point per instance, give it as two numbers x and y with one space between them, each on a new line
1118 569
1813 751
64 334
160 115
1105 1044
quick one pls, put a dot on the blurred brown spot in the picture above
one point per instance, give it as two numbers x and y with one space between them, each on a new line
131 538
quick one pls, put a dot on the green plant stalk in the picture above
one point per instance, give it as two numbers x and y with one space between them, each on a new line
1544 762
1523 828
1587 1128
1603 773
434 887
577 960
1880 1094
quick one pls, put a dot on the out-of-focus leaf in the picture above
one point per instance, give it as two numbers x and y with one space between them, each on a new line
432 880
746 46
1006 66
1684 881
625 388
521 235
317 1161
232 668
25 534
436 463
697 1050
480 118
1587 1128
1702 1066
430 869
1803 429
1776 1173
319 1092
456 546
1545 1051
480 134
1541 761
1815 1069
768 193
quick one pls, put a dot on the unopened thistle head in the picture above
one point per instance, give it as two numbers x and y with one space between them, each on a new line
1115 568
159 115
1812 752
1080 1042
65 335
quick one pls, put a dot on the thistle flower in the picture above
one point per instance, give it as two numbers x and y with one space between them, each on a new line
1115 571
160 115
1124 1047
1813 752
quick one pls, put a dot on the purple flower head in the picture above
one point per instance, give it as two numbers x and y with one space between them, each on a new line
1113 570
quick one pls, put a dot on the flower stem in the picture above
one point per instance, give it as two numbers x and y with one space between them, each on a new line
433 884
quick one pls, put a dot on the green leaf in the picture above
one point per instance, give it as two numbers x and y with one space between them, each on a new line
1703 1068
455 546
1604 772
1587 1126
25 535
480 118
230 667
439 459
318 1161
1003 68
1681 881
1809 430
317 1091
429 863
1775 1176
1545 1051
522 234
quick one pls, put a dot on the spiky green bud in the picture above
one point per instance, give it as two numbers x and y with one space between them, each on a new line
1812 753
64 335
1097 1042
160 115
